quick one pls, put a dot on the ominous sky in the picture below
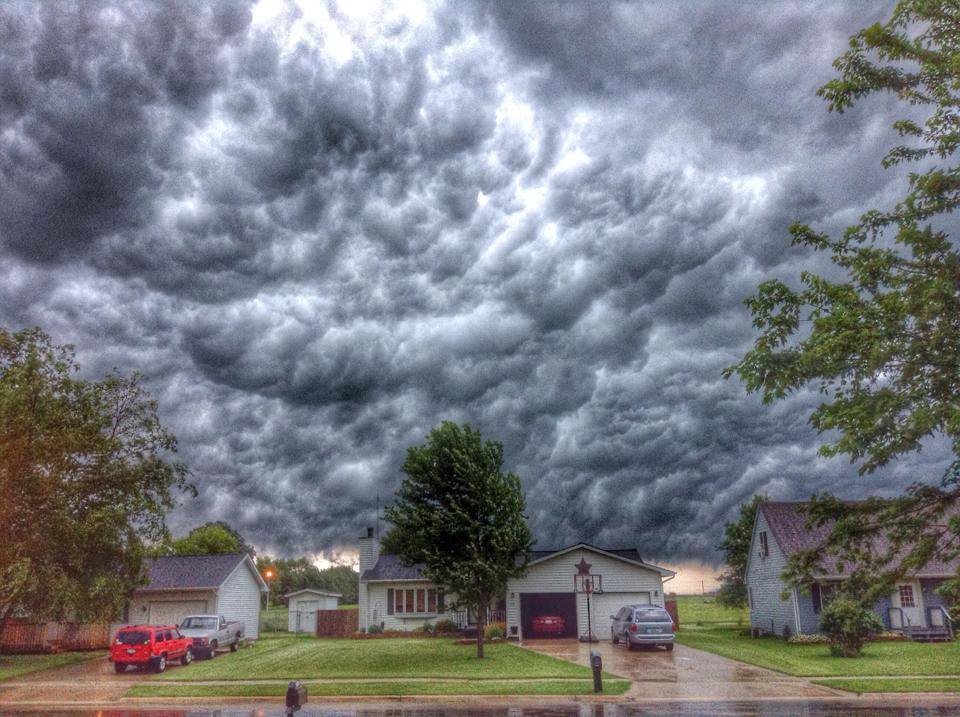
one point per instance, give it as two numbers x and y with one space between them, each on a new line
319 229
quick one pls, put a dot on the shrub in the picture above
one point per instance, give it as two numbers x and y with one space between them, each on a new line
374 629
494 631
446 626
427 627
848 624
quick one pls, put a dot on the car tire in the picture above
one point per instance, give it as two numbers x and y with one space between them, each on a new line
187 657
212 652
234 645
630 646
119 667
161 664
669 647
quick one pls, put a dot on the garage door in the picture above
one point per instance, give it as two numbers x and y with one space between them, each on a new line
546 615
172 612
606 604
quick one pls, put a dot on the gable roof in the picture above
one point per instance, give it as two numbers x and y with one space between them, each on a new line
312 591
389 567
194 572
788 523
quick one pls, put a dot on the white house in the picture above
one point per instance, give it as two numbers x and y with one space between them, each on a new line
302 607
397 597
181 585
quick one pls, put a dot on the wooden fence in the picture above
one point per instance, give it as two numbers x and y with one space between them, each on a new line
18 636
338 623
671 605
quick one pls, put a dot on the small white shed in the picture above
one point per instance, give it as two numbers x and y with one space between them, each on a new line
302 607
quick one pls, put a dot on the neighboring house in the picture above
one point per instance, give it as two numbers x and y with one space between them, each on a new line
780 531
302 607
181 585
398 597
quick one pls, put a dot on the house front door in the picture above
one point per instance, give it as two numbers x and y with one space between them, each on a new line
909 599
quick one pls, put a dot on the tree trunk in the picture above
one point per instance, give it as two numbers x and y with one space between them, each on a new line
481 619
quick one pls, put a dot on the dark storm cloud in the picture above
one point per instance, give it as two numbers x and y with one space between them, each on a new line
320 233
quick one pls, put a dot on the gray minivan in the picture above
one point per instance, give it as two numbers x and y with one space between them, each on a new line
642 625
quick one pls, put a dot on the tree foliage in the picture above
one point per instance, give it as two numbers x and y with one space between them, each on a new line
736 551
210 539
461 517
292 574
86 477
883 343
848 624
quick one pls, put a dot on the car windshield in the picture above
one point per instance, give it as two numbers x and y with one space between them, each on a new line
653 616
199 623
133 637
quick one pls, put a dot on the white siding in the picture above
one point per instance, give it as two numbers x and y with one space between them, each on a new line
169 604
239 599
768 610
377 601
555 575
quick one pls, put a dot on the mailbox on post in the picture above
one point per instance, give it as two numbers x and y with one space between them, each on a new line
596 664
296 696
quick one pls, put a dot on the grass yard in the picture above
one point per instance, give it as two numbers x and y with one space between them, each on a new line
17 665
887 684
289 658
704 610
380 688
878 659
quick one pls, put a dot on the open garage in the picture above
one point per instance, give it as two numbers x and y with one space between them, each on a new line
546 606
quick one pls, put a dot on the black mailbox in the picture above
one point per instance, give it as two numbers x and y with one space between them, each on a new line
596 664
296 696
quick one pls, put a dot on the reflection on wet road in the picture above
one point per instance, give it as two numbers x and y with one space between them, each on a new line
680 709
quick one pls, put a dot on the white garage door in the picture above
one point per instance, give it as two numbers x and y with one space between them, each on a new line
607 604
172 612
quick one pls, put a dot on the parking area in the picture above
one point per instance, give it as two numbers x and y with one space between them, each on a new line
684 673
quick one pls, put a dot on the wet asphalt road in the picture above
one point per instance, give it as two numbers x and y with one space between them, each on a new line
681 709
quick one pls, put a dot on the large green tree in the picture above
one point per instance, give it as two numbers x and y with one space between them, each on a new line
210 539
736 553
86 477
880 337
460 516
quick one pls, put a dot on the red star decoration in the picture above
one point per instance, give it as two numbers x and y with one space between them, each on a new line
583 567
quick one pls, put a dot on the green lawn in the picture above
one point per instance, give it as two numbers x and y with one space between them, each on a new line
887 684
400 688
291 658
704 610
16 665
879 658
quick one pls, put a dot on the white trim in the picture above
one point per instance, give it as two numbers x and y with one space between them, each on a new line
796 611
312 591
599 551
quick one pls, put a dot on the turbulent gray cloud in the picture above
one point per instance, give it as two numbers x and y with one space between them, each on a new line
321 228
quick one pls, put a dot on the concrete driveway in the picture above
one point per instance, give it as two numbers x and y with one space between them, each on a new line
684 673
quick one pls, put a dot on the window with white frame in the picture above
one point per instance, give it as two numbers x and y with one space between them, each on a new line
412 601
764 545
906 596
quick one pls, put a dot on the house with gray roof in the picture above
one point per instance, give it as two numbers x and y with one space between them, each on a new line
779 531
179 585
394 596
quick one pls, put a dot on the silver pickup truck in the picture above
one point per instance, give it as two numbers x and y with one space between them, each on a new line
211 633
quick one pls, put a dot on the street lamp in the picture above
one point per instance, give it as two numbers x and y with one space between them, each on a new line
268 576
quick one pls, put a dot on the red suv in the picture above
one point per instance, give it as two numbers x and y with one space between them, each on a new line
150 646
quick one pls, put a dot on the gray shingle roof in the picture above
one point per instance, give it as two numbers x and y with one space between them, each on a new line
788 522
185 572
389 567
